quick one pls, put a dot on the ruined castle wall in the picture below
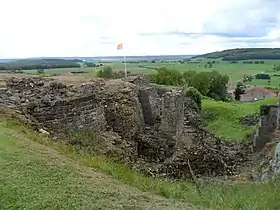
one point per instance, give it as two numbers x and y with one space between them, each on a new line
81 113
123 112
269 121
149 101
172 119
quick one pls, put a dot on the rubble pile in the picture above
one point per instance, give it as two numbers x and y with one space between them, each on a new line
155 130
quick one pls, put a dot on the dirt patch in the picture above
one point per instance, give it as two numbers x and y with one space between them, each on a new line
257 93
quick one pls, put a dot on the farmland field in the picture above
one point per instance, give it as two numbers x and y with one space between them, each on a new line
235 71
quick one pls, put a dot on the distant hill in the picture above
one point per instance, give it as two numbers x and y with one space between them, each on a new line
244 54
27 64
107 58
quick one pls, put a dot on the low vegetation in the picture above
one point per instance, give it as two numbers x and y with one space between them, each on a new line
223 118
109 73
37 173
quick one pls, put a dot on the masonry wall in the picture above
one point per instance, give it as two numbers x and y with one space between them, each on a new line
269 121
82 113
150 104
172 118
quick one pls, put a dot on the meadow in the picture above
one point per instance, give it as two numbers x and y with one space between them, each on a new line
235 71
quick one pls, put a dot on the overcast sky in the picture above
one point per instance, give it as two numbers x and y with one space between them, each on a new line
34 28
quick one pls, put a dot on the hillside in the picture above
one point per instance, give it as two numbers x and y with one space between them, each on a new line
34 176
37 173
243 54
39 64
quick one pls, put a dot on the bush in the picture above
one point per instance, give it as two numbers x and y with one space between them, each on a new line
40 71
106 72
166 76
262 76
194 94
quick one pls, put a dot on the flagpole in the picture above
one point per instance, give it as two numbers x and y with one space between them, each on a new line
124 61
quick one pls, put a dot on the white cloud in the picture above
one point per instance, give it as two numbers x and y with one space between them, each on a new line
32 28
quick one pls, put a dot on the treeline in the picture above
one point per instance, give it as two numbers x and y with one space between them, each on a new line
249 62
244 54
89 64
39 64
251 57
211 84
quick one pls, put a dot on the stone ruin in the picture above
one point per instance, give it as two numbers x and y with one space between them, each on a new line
268 124
153 129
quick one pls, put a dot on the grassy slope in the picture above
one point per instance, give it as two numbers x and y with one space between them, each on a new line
37 173
34 176
223 118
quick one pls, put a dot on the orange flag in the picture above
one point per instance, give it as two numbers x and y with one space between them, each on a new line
120 46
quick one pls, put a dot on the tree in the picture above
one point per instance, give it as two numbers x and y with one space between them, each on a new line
211 84
247 78
105 72
239 90
166 76
188 77
217 85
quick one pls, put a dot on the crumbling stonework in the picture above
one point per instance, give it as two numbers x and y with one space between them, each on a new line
85 113
154 129
268 123
172 115
150 104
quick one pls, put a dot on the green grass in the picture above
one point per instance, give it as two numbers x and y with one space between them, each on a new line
234 71
40 174
33 176
223 117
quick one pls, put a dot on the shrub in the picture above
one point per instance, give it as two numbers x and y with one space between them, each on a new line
194 94
262 76
106 72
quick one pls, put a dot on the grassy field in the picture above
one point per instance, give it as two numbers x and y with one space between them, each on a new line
234 70
33 176
40 174
223 118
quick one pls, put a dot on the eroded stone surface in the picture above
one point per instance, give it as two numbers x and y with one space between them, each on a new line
153 129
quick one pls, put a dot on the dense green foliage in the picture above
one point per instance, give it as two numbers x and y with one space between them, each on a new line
239 90
90 64
39 64
193 94
165 76
105 72
211 84
244 54
262 76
